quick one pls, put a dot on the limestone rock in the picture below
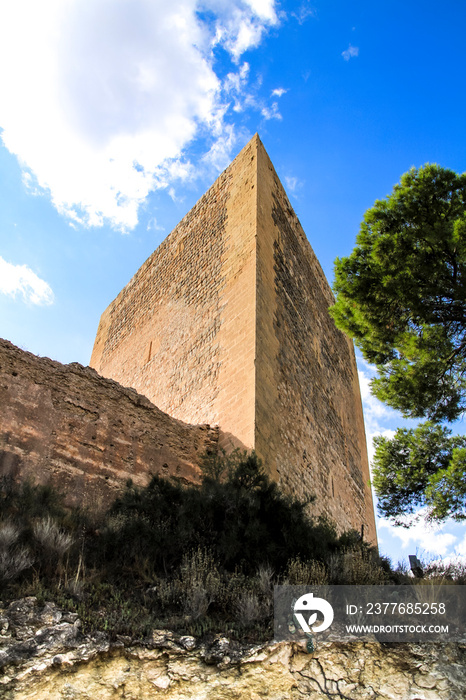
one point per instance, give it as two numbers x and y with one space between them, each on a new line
43 654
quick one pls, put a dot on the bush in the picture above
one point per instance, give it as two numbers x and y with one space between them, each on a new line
28 501
248 609
14 558
310 573
196 558
53 539
199 582
358 565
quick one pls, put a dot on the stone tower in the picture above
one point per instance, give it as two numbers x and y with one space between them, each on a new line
227 323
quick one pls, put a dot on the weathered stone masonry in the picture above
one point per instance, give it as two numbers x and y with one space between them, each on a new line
161 332
307 377
86 435
182 331
227 323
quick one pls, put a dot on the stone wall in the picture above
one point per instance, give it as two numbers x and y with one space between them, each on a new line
227 323
182 331
309 419
66 425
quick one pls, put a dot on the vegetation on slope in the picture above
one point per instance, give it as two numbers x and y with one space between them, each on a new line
194 559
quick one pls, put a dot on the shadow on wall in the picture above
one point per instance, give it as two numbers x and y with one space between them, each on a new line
229 443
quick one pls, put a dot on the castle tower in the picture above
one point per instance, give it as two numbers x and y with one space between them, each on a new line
227 323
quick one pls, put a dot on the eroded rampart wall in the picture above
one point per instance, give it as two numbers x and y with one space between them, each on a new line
86 435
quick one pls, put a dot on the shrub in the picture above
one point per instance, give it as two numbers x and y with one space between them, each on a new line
14 558
309 573
26 501
53 539
358 565
265 579
248 609
237 514
9 534
196 558
199 582
451 571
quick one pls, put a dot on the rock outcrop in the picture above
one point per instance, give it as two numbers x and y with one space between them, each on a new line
43 654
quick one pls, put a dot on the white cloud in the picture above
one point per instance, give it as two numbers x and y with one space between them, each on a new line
351 52
461 548
218 156
30 184
240 30
249 35
378 418
303 13
21 280
264 9
291 183
271 112
376 409
99 99
421 536
278 92
234 87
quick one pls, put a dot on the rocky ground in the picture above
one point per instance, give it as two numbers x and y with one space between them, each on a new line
43 654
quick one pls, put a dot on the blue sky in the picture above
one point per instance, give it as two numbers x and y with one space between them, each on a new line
116 116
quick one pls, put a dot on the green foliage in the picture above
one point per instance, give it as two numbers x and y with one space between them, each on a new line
424 466
401 294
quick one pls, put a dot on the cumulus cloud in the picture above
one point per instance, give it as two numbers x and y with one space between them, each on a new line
21 280
278 92
351 52
98 100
